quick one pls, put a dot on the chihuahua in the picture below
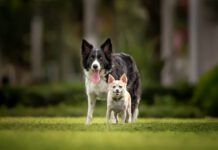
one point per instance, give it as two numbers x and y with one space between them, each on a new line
118 99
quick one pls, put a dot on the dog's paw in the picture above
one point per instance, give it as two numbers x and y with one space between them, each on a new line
88 121
113 121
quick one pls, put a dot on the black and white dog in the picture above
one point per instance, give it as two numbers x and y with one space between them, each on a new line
98 63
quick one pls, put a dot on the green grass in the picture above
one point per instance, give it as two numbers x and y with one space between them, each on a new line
71 133
64 110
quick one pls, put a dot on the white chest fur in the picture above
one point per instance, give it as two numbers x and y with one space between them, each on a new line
99 89
117 105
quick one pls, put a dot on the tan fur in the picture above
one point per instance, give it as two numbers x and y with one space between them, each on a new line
121 103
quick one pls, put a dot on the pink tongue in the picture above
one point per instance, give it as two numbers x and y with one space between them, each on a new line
95 77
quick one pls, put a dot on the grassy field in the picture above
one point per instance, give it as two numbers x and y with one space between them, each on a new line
71 133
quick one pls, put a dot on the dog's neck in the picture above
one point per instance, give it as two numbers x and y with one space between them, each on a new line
117 98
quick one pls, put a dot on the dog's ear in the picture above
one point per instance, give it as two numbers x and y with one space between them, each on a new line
107 48
123 78
86 48
110 79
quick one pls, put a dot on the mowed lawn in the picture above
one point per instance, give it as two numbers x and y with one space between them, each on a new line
70 133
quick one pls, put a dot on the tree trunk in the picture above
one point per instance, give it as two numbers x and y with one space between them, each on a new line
168 7
90 21
203 37
36 46
65 55
193 36
0 66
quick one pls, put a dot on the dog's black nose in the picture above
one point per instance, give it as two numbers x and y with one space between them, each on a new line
95 66
117 91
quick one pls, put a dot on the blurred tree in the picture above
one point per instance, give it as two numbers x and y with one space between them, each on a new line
129 32
168 11
138 33
14 32
0 64
14 16
212 6
203 29
36 40
90 20
153 32
63 30
42 38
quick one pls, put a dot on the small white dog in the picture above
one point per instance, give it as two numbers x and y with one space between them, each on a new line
118 99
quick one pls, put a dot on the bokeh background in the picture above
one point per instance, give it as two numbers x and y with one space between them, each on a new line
174 42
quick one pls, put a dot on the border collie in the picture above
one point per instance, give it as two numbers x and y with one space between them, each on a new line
98 63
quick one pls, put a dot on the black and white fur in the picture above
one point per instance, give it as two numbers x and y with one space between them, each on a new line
103 60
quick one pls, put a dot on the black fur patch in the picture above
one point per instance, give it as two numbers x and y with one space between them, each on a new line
123 63
103 55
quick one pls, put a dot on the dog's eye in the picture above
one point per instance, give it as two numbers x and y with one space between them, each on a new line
120 87
114 86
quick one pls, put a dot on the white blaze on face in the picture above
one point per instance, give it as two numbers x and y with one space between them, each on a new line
117 87
96 63
96 68
95 77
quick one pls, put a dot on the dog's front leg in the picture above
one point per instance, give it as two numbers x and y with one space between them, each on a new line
124 116
129 115
108 115
91 106
116 117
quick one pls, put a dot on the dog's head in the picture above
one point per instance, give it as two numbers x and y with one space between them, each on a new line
96 60
117 86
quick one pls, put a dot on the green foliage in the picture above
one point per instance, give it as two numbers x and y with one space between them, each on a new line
52 111
206 93
43 95
162 109
69 99
10 96
74 93
71 133
180 94
169 106
170 110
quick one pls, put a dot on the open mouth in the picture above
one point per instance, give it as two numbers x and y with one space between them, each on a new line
95 77
117 93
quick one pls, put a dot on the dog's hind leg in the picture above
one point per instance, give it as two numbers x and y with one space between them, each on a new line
91 106
135 112
123 115
136 96
134 105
